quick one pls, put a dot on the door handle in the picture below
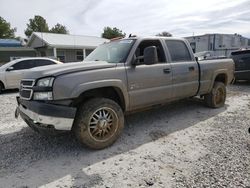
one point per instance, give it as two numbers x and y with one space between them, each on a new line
191 68
166 71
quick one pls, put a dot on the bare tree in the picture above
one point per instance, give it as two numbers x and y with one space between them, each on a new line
164 34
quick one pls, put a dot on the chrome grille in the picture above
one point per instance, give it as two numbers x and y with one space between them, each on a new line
26 88
26 94
27 83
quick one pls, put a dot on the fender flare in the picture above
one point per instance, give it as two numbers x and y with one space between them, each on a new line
216 73
117 84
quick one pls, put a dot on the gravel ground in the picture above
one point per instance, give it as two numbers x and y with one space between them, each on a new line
180 145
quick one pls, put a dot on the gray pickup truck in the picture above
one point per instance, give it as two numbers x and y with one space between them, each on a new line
91 97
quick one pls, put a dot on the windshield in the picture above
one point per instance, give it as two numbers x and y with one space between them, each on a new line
112 52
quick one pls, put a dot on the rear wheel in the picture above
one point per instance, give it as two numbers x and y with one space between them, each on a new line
217 97
99 122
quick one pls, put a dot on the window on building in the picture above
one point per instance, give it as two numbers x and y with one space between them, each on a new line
233 41
79 55
193 46
43 53
178 51
88 51
61 55
243 42
211 46
220 41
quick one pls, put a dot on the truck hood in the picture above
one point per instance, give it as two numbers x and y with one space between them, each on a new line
56 70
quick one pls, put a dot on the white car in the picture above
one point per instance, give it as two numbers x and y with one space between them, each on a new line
11 72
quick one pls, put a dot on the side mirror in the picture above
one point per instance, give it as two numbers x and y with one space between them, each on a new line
9 69
150 55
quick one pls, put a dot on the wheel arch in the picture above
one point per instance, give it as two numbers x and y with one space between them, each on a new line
219 76
222 77
1 82
110 92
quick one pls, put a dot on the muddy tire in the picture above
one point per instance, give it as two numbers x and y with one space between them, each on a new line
217 97
98 123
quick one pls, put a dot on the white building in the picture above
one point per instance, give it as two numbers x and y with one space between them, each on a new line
65 47
220 44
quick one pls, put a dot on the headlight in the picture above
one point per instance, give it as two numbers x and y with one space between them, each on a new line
43 95
45 82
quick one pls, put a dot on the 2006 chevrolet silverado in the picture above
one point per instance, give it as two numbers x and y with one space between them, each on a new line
90 98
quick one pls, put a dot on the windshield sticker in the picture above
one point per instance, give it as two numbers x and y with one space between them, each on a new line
126 41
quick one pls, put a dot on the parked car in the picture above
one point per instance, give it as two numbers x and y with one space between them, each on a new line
242 64
206 55
11 72
118 77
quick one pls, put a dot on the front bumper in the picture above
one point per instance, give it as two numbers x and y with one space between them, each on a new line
46 116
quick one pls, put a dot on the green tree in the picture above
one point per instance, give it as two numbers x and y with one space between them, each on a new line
58 28
110 33
37 24
5 29
164 34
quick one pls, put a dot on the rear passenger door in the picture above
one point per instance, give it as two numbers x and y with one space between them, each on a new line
185 70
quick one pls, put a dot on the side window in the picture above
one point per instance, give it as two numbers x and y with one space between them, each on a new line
178 51
144 44
42 62
27 64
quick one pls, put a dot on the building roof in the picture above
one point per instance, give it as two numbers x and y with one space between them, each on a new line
9 43
16 49
65 40
209 34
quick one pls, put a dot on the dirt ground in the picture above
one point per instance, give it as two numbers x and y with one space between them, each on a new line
184 144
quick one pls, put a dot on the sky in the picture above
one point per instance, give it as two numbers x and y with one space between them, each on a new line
142 17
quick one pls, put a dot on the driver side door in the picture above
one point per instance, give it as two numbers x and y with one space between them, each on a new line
13 76
149 84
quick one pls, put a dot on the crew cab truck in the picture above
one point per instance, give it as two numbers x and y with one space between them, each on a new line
90 98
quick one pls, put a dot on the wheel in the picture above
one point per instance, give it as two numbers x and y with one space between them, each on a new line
1 87
99 122
217 97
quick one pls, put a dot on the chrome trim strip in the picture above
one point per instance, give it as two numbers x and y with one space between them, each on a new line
58 122
33 82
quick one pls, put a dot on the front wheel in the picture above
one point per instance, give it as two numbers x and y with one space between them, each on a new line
217 97
99 122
